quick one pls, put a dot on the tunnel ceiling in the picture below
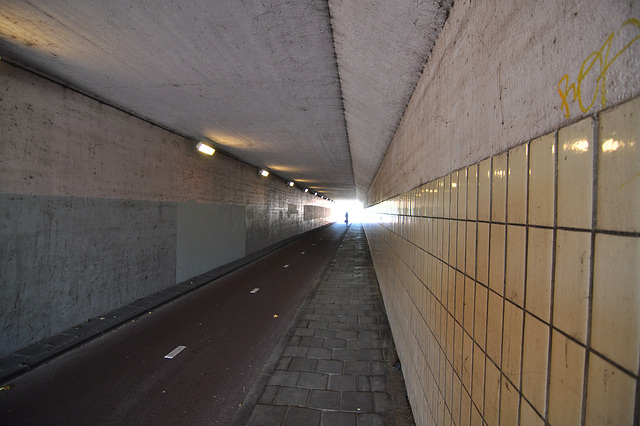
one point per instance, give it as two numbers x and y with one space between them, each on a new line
310 89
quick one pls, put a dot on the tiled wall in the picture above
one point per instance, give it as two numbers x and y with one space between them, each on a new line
513 285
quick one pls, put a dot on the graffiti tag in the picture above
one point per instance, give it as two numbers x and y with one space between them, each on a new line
600 59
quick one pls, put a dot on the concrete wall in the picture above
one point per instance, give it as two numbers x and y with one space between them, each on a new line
508 232
100 208
492 82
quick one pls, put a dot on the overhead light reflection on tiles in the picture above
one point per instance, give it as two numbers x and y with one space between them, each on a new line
577 146
611 145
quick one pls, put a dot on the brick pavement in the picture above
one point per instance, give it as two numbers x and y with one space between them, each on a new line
338 364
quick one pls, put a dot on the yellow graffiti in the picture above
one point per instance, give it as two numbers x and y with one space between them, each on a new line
601 58
629 180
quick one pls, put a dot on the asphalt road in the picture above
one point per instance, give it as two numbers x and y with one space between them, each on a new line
228 332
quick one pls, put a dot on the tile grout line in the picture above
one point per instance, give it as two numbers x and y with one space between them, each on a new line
553 281
594 224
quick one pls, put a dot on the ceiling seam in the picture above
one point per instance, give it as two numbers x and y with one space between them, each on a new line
442 6
344 114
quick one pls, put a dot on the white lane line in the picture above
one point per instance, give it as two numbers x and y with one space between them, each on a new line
174 352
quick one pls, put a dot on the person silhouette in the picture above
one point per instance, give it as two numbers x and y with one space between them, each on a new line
346 218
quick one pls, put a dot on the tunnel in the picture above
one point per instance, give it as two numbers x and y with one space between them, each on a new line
322 212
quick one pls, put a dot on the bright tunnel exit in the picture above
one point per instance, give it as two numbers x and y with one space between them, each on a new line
357 213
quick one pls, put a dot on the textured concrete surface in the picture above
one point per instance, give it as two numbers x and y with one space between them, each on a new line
382 47
267 81
338 364
64 260
493 81
258 78
58 142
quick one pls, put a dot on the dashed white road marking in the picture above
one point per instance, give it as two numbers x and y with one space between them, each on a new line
175 352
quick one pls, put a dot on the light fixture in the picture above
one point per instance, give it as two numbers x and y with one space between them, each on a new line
290 183
306 190
315 193
205 149
263 173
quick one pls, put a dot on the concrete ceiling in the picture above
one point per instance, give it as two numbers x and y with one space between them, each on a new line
311 89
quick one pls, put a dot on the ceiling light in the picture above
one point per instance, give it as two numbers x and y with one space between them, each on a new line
306 190
205 149
263 173
290 183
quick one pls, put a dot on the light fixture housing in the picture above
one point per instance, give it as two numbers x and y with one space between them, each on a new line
263 173
205 149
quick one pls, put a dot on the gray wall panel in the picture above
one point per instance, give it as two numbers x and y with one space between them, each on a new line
208 236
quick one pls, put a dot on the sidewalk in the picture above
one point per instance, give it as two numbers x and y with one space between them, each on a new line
337 365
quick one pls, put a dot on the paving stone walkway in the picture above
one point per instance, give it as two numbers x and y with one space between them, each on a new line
338 365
